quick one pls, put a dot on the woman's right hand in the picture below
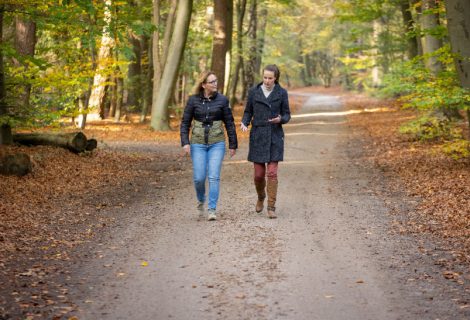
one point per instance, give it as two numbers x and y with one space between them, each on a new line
243 127
187 149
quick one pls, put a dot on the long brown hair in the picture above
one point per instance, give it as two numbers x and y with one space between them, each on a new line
273 68
202 80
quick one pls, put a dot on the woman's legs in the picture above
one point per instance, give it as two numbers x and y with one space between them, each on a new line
261 171
271 188
215 156
260 184
199 158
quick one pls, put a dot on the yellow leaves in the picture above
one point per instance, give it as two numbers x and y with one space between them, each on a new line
144 263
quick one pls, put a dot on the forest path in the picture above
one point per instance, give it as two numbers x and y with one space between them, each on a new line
329 255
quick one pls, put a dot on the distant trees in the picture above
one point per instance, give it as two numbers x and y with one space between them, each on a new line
112 58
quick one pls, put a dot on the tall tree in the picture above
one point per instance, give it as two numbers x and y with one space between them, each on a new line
261 33
222 40
409 28
250 64
161 99
431 42
25 42
241 8
5 129
134 71
95 103
458 24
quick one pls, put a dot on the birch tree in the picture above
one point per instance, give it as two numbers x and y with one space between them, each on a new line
95 102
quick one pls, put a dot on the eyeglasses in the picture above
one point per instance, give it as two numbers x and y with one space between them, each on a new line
212 82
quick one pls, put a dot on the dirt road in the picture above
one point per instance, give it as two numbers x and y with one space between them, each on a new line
330 254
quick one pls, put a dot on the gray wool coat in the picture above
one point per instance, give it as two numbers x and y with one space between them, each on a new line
266 139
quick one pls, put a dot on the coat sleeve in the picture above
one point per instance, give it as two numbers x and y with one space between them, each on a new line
230 126
186 122
285 110
248 113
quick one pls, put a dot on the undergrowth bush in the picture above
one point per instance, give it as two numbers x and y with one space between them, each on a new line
457 149
427 128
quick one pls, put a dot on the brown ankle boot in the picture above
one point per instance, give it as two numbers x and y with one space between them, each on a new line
261 191
272 193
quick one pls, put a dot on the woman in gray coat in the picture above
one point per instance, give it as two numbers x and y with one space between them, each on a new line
267 109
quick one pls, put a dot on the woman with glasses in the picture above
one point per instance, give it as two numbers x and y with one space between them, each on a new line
205 115
267 109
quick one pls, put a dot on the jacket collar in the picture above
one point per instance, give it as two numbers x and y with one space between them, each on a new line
275 88
212 97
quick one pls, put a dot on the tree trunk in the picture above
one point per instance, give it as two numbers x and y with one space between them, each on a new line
119 98
25 42
241 7
156 60
429 22
84 98
161 98
5 129
249 79
168 31
458 24
160 52
262 20
377 28
147 84
228 55
412 49
15 164
221 43
95 103
134 73
74 141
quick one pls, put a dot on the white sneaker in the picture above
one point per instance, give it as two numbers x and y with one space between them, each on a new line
211 216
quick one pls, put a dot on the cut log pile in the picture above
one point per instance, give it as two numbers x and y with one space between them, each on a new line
20 164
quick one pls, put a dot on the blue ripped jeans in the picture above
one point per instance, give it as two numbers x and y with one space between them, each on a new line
207 163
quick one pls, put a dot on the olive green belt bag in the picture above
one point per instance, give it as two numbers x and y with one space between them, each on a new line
207 133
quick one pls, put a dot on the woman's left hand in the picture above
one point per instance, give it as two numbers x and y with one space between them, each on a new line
232 152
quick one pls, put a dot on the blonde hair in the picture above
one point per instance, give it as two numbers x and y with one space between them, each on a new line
201 80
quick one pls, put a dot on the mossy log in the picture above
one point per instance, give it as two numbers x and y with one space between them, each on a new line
15 164
73 141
